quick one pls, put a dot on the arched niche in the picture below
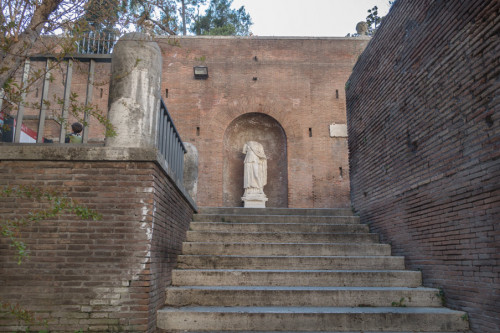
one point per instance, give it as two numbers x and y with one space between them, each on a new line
267 131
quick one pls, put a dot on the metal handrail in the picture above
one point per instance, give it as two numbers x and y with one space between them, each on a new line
170 144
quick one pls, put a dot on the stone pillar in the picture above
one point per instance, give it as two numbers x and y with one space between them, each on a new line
134 95
191 170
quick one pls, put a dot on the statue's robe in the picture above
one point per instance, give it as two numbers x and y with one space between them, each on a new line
255 173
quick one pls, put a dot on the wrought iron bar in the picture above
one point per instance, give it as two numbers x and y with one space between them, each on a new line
161 130
96 43
170 144
2 95
43 103
88 101
20 107
67 92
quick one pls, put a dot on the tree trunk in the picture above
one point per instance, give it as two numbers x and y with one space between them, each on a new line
184 17
15 55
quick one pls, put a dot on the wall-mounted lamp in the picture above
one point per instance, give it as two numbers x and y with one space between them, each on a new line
200 72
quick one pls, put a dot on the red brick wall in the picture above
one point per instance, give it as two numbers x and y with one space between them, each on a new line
106 275
295 83
424 143
299 82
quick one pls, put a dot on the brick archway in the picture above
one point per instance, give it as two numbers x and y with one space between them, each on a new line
267 131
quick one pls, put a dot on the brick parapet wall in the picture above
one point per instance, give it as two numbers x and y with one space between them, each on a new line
105 275
424 143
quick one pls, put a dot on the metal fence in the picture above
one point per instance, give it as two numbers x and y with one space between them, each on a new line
17 131
170 144
97 43
91 48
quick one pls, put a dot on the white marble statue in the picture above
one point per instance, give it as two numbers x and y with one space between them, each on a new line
255 175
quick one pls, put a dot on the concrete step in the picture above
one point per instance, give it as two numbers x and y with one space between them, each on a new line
301 296
279 237
245 331
304 318
275 219
290 262
324 278
284 249
277 227
276 211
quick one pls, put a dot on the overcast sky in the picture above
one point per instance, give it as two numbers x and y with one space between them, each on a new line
332 18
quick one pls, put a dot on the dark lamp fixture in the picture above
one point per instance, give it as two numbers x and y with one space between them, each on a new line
200 72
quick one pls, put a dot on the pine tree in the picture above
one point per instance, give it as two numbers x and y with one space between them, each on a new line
220 19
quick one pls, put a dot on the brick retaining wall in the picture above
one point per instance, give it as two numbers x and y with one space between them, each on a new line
107 275
424 143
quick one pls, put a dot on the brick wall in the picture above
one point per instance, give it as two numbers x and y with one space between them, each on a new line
106 275
424 142
297 81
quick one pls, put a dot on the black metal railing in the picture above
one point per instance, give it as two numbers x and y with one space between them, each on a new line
18 132
170 144
92 47
94 42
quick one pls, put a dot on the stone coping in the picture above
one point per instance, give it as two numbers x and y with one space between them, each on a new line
88 152
158 38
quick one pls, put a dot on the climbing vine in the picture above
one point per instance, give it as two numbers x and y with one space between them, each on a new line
11 228
57 204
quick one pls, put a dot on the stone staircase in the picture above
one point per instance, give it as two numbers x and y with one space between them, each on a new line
314 270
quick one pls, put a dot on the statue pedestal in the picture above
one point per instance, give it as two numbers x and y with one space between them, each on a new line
254 200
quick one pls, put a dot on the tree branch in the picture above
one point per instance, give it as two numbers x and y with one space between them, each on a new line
19 50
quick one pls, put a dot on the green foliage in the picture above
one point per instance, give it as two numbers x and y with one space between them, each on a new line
168 16
399 304
57 204
373 20
221 20
27 318
441 296
102 15
79 110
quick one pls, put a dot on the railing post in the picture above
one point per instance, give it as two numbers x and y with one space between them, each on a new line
180 157
43 103
161 130
134 96
20 108
2 94
88 100
67 93
171 139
